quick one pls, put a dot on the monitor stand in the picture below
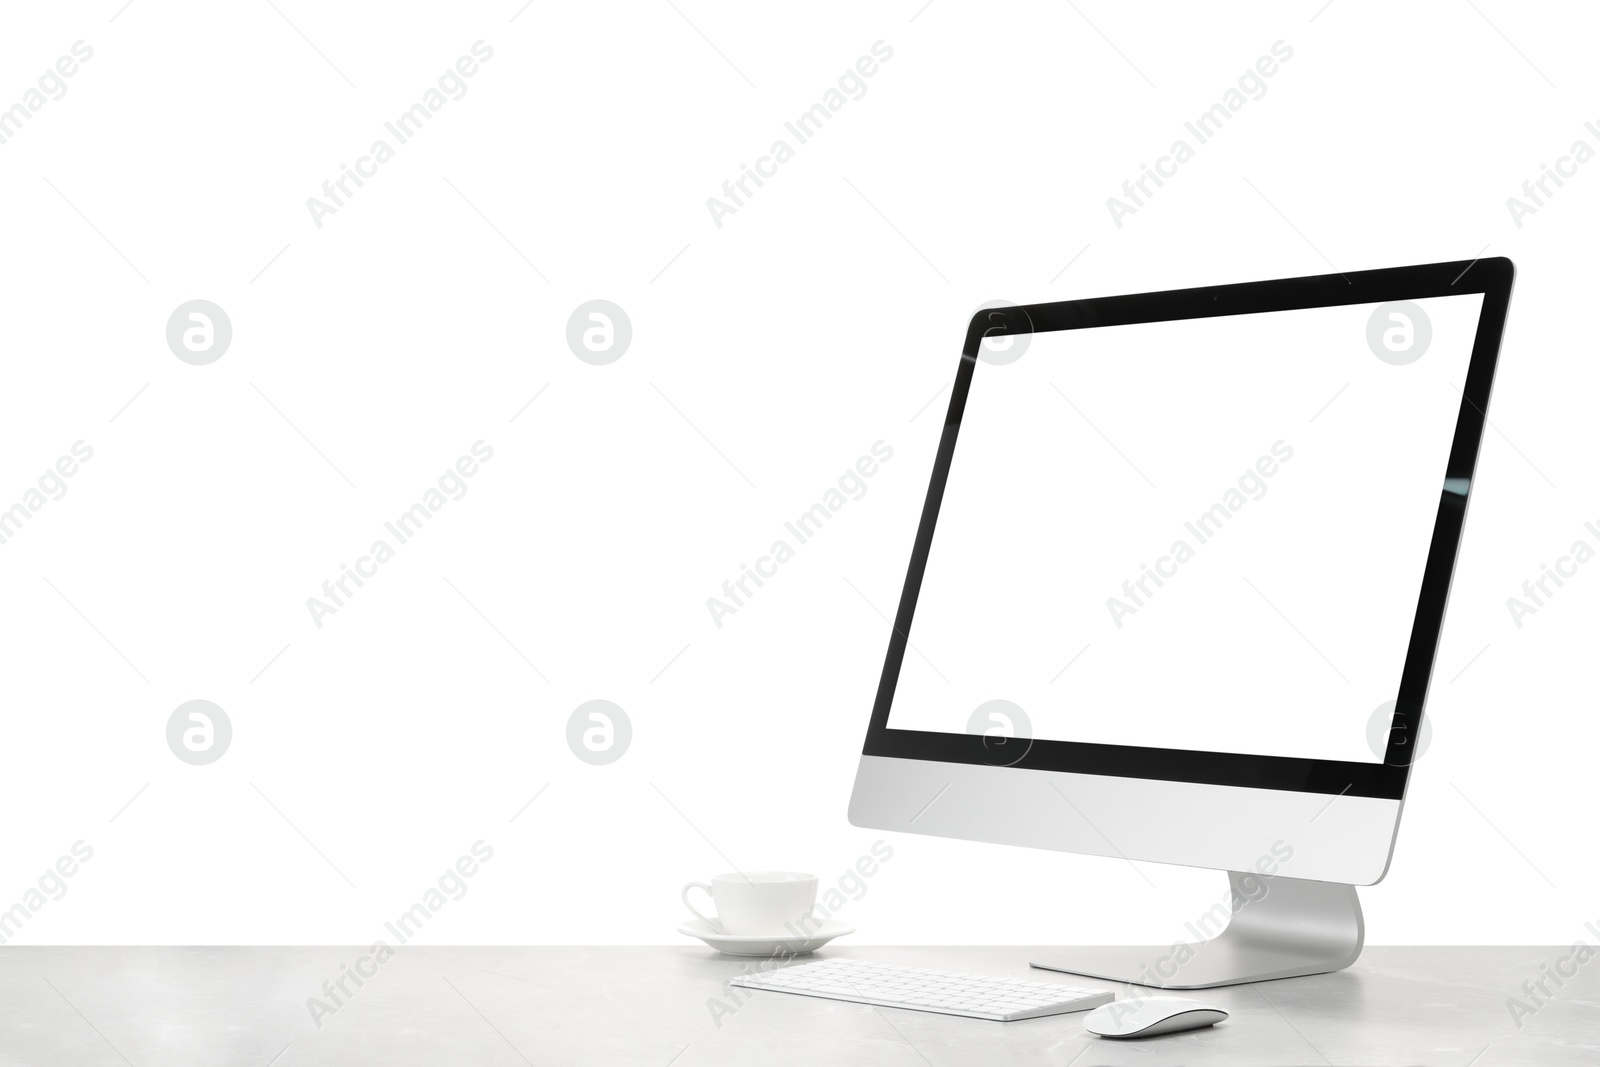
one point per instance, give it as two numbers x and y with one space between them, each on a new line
1298 927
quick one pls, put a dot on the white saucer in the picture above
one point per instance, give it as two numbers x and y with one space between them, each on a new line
780 944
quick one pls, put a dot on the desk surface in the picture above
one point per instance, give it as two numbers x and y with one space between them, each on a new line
653 1006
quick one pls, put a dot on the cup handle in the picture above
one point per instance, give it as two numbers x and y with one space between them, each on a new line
713 923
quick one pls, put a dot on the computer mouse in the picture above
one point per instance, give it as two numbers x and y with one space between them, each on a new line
1148 1016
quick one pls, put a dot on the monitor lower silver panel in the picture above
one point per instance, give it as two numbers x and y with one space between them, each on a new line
1232 828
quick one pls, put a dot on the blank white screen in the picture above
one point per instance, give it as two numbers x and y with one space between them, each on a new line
1092 457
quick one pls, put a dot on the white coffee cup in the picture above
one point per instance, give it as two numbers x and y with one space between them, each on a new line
757 902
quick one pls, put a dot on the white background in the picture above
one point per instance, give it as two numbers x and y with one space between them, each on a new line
768 355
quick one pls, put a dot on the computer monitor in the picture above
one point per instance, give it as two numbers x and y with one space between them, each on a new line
1177 589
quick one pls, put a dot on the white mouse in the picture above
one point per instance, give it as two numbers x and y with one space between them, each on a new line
1148 1016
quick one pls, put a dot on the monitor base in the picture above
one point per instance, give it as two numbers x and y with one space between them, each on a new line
1295 927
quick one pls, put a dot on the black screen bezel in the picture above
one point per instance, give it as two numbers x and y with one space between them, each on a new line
1491 277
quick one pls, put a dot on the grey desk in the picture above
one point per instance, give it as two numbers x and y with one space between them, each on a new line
649 1006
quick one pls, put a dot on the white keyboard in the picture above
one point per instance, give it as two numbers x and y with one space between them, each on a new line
973 995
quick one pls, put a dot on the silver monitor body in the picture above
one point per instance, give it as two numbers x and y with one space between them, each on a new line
1295 832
